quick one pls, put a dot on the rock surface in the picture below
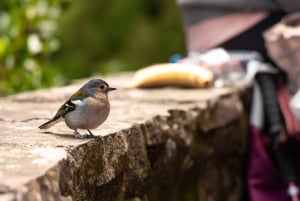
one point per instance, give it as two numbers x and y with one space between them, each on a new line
157 144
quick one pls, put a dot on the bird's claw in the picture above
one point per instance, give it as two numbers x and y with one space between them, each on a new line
79 136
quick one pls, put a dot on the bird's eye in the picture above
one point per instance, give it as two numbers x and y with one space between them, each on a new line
102 86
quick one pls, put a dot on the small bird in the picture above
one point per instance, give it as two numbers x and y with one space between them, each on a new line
86 109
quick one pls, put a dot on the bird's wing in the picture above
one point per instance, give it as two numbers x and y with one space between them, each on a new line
75 100
70 105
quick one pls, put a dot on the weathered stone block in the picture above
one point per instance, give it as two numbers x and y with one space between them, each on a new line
160 144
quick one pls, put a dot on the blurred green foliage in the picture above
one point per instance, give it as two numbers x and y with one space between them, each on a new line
111 36
27 39
47 42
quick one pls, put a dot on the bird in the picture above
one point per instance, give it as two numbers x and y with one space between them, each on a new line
86 109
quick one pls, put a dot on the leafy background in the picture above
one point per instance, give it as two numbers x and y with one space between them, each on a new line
50 42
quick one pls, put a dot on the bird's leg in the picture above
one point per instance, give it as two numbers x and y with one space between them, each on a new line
76 134
91 134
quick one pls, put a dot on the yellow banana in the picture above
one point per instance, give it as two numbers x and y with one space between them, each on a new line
179 74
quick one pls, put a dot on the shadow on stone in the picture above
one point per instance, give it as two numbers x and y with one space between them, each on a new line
71 136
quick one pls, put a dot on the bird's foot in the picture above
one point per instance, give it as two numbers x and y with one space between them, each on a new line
90 135
78 135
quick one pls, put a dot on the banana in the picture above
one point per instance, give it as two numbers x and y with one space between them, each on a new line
178 74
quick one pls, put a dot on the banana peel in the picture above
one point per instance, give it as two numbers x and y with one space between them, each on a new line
178 74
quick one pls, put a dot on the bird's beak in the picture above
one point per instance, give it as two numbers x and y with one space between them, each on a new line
111 88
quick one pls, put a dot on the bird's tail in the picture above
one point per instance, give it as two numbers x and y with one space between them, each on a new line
49 123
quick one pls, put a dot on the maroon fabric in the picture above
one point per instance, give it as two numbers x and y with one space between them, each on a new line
264 180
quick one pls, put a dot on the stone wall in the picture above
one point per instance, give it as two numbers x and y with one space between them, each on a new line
161 144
